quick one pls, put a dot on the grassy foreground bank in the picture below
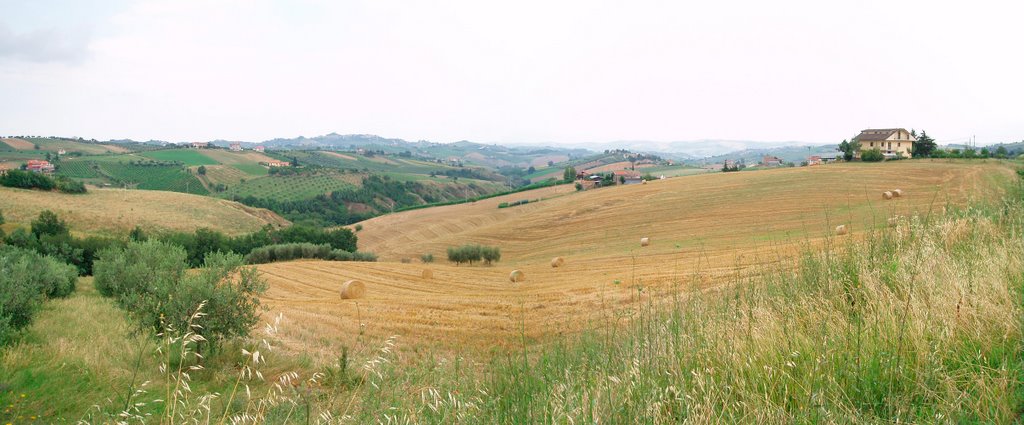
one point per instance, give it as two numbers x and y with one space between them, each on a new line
920 322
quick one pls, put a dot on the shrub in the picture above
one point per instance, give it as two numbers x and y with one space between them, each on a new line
26 279
67 185
872 155
427 258
359 227
342 255
126 272
149 280
49 224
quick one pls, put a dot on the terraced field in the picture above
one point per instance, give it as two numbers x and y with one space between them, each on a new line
704 230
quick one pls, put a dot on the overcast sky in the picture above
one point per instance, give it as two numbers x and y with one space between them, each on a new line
511 72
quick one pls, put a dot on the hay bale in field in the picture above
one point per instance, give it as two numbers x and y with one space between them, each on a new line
427 274
841 230
644 182
887 194
352 289
557 262
897 192
645 241
516 276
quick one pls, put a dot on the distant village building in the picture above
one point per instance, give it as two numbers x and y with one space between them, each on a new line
39 166
276 163
771 161
61 151
237 147
258 148
200 145
893 142
814 160
627 177
730 164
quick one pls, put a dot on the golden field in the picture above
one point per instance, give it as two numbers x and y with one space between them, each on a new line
704 230
114 211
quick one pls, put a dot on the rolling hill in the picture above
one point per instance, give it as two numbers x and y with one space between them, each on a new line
705 230
112 211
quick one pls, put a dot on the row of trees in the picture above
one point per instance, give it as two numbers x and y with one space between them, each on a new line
294 251
472 253
50 235
32 180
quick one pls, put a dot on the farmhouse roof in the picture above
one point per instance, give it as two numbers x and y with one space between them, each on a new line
876 134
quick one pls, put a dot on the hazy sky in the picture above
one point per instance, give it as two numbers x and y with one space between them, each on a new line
513 71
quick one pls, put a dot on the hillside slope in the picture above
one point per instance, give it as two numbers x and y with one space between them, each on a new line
705 230
113 211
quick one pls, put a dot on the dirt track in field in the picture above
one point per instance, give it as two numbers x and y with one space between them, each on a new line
705 230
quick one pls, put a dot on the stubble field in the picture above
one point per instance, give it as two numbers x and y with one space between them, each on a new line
705 230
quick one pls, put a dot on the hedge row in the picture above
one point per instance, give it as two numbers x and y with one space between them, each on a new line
294 251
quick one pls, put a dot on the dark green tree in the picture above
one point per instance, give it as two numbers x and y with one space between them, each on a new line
201 170
49 224
1000 153
849 149
569 174
924 146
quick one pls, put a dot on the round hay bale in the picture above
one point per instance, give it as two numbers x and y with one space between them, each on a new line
887 194
352 289
897 192
841 230
645 241
516 276
644 182
427 274
557 262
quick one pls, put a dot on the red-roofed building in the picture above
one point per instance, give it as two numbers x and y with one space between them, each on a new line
39 166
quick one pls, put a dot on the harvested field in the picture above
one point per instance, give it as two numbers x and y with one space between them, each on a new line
19 144
338 155
113 211
704 229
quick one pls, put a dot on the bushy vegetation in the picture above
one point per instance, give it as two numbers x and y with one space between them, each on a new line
149 280
871 155
427 258
51 236
516 203
294 251
203 242
32 180
472 253
26 279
